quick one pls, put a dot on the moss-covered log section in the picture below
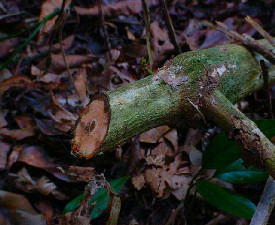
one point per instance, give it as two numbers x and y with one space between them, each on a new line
176 95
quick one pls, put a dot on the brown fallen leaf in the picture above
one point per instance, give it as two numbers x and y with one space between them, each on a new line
172 136
7 46
46 209
5 74
79 174
47 8
24 121
15 81
66 43
60 114
42 185
58 64
46 78
3 121
160 43
14 201
167 178
138 181
127 7
15 152
36 156
153 135
17 134
4 150
20 217
80 84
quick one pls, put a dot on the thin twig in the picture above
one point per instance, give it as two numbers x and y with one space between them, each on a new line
265 205
60 29
106 36
169 24
267 87
257 27
247 41
146 15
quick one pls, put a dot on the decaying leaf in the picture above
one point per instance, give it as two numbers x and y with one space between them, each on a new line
80 84
47 8
13 201
165 172
42 185
127 7
4 150
17 134
3 121
160 43
58 64
153 135
14 81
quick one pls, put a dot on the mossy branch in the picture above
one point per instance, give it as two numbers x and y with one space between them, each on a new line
176 96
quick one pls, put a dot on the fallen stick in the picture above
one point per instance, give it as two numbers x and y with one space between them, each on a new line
192 86
265 205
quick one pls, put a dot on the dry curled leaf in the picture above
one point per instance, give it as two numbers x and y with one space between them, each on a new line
47 8
14 81
42 185
80 84
153 135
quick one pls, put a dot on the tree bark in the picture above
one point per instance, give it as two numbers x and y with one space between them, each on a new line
179 94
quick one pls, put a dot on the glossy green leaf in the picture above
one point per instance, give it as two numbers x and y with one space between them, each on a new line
101 198
221 151
224 200
72 205
236 173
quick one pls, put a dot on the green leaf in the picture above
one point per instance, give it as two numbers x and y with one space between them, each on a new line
236 173
72 205
223 199
221 151
101 198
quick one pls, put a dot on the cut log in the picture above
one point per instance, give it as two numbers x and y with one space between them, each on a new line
174 96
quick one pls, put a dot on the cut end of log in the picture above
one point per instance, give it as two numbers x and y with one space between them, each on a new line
91 128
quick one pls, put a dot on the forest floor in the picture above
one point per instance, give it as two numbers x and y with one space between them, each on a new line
49 73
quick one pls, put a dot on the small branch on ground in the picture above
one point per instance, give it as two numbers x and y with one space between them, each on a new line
169 24
115 210
258 150
260 30
265 205
164 98
146 15
267 87
247 41
106 36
